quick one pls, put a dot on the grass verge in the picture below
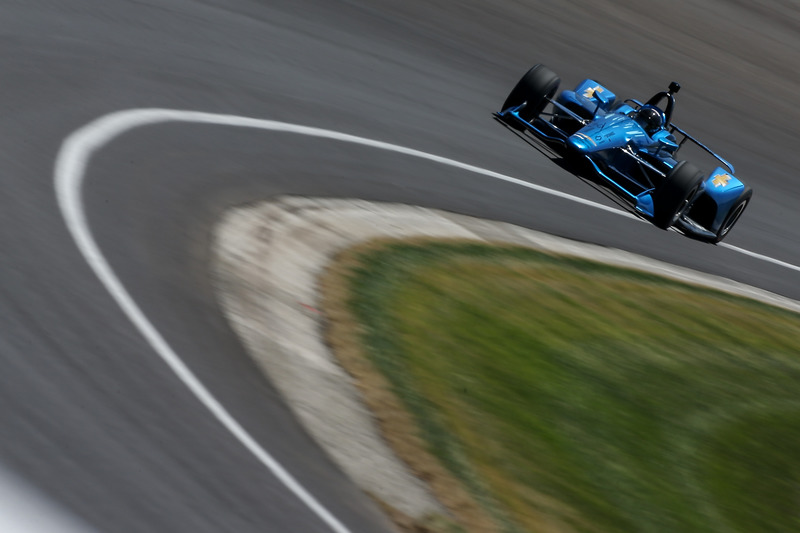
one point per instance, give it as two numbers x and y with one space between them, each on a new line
543 393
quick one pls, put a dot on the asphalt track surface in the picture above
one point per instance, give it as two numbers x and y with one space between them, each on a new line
94 418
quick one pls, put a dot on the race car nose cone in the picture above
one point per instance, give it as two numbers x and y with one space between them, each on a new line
580 143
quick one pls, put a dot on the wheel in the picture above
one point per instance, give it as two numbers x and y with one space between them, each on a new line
733 215
535 87
672 197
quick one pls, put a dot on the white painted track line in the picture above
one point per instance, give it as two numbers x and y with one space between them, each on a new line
71 164
761 257
24 509
70 167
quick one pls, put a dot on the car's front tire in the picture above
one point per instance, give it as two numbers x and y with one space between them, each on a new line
675 193
534 89
733 215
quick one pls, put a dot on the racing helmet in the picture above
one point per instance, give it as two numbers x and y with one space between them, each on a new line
650 118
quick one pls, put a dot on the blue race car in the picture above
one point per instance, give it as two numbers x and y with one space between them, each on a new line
634 148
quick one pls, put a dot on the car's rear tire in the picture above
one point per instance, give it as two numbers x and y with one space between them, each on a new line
733 215
672 197
534 89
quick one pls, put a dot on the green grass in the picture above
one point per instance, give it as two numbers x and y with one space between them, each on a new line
572 396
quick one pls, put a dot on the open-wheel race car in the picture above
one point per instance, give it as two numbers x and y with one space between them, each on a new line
633 147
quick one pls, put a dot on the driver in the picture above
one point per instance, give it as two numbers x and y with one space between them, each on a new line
650 118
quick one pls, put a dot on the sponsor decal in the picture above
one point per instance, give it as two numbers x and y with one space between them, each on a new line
588 93
721 180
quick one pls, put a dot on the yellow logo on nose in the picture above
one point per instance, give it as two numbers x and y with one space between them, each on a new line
721 180
591 91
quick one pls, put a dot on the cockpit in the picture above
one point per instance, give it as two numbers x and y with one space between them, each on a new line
669 96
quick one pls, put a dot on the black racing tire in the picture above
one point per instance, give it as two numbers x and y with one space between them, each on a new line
733 215
534 89
672 197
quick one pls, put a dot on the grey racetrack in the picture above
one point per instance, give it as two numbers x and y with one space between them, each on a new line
92 417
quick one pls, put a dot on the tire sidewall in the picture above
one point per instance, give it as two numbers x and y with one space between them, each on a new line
735 211
534 88
672 196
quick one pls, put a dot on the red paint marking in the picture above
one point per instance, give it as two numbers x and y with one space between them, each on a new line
308 307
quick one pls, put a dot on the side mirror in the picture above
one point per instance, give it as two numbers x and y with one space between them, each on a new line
666 144
596 98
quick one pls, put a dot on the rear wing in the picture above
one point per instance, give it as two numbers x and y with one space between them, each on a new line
673 129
